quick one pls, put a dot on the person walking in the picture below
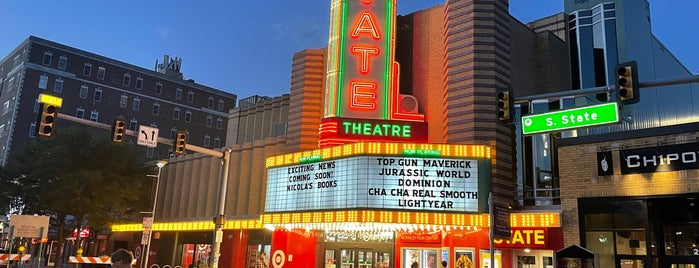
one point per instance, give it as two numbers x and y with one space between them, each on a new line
121 258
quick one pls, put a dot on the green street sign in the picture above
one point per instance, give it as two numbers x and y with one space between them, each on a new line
595 115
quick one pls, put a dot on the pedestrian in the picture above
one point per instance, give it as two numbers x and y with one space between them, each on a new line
262 261
415 265
444 264
121 258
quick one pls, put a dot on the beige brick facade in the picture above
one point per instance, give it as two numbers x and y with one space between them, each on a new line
578 177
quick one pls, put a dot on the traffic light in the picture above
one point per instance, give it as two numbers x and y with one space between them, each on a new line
504 105
46 118
627 82
118 130
180 142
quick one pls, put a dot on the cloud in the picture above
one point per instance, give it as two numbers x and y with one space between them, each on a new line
302 31
164 32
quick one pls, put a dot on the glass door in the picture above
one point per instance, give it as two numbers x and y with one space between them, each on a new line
382 259
348 258
356 258
631 263
365 258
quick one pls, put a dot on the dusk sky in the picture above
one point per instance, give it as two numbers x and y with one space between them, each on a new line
245 47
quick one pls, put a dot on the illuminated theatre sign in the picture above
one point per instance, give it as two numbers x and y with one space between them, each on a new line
386 176
362 95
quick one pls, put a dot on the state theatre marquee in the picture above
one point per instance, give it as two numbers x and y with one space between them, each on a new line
413 179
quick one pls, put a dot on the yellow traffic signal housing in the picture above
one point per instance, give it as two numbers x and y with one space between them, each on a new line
180 142
48 114
118 130
504 105
627 82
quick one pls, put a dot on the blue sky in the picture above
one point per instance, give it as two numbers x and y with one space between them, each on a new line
245 47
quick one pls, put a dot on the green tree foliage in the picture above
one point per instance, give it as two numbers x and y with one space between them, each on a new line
79 179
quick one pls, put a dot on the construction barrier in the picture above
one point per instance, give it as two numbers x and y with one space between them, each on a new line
93 260
15 257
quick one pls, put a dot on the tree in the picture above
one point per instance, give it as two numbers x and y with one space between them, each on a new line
77 178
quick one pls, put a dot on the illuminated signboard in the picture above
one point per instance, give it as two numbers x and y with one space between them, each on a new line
360 59
595 115
525 238
362 75
341 130
381 175
378 182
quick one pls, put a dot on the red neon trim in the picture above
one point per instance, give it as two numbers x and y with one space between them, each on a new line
366 24
363 95
395 98
363 53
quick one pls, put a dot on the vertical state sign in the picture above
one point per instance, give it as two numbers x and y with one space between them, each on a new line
360 59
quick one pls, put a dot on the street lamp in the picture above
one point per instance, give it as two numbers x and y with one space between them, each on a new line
160 164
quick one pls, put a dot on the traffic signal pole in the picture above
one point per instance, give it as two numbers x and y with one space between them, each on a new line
606 89
220 218
132 133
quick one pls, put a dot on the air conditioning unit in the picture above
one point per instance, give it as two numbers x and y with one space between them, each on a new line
407 104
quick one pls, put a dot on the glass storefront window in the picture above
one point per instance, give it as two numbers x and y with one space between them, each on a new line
631 243
603 244
598 221
634 263
681 239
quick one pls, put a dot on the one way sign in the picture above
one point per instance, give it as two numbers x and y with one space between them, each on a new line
147 136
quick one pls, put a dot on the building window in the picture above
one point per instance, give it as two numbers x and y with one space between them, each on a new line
80 113
211 102
94 115
58 85
2 131
87 69
178 94
190 96
17 61
209 120
43 80
47 58
139 82
101 72
5 107
156 108
98 95
36 105
217 142
219 123
188 116
123 101
220 105
11 84
62 62
176 113
133 124
158 88
149 152
207 140
136 106
32 129
127 80
173 132
83 92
